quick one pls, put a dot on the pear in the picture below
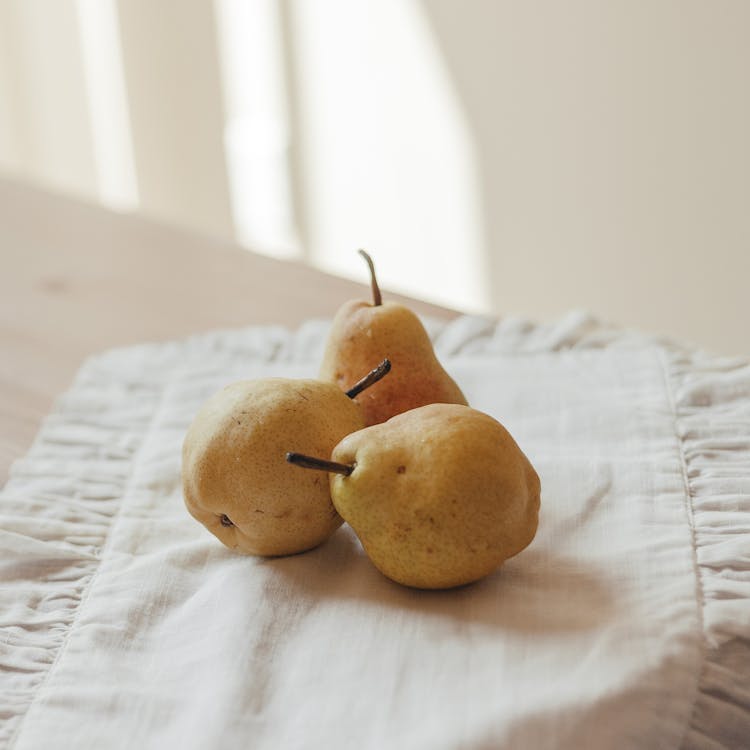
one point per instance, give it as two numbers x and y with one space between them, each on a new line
439 496
364 332
235 479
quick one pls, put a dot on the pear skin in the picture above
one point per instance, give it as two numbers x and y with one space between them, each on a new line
236 480
364 332
439 496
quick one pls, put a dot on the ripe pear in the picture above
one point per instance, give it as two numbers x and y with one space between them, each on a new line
235 479
439 496
364 332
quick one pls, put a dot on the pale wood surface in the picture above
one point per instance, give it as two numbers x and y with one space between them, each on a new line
77 279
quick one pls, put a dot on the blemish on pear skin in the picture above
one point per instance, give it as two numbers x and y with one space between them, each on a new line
401 470
401 529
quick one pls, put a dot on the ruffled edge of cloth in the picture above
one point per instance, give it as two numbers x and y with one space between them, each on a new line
712 415
94 428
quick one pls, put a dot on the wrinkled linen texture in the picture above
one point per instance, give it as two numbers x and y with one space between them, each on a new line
626 623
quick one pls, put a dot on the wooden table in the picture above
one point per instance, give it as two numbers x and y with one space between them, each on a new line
77 279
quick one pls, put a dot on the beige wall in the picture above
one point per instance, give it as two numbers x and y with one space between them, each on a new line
613 143
171 67
525 156
537 156
44 137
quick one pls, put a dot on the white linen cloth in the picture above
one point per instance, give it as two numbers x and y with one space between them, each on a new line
625 624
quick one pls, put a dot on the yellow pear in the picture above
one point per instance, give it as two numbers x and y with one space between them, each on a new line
364 332
236 481
439 496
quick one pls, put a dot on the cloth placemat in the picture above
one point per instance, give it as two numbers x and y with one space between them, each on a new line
626 623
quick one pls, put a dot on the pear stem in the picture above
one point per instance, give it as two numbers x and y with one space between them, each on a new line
371 378
309 462
377 299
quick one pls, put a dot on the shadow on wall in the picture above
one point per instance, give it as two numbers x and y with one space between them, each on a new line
612 157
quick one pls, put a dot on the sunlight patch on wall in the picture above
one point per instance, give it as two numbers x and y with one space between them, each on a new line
389 159
107 100
256 132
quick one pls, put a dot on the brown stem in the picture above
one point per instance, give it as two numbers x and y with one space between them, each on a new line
377 299
371 378
310 462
